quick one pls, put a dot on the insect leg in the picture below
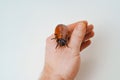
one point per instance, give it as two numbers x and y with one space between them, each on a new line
67 45
57 45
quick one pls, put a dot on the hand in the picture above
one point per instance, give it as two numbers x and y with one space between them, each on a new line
64 63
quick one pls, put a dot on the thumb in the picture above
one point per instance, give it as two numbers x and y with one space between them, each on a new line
78 35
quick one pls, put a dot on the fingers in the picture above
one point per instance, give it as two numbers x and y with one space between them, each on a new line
89 28
85 44
88 36
89 33
78 35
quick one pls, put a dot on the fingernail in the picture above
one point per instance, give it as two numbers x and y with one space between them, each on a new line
81 26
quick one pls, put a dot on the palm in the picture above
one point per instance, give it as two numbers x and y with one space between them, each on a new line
62 60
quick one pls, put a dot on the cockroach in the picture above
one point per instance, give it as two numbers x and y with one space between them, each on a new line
62 35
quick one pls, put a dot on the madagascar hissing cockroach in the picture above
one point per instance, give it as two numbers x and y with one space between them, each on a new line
62 35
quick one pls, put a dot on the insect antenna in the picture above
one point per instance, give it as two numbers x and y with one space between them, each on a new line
53 38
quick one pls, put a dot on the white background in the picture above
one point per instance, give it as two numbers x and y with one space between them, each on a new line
25 25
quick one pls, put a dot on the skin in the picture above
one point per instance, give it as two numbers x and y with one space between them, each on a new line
64 63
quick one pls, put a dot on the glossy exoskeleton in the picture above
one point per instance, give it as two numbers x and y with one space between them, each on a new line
62 35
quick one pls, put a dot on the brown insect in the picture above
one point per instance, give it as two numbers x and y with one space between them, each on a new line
62 35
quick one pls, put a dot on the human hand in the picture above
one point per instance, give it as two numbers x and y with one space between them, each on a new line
63 63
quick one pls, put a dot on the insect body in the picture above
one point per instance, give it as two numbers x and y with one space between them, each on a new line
62 35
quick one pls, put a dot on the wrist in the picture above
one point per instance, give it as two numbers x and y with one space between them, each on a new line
49 74
51 77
